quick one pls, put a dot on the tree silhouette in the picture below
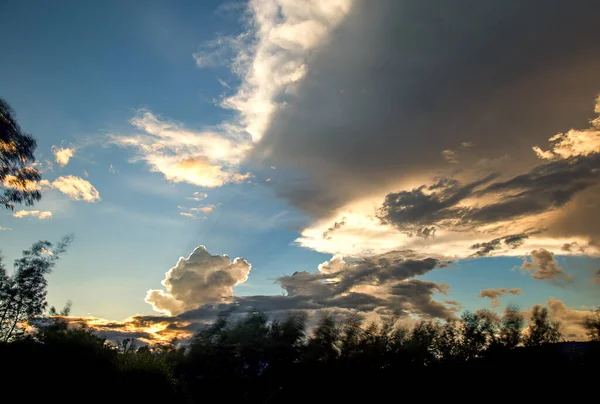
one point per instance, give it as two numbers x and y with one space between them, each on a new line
592 325
511 327
252 359
23 295
17 175
541 329
480 330
324 347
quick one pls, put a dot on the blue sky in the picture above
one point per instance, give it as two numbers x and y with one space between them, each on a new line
310 119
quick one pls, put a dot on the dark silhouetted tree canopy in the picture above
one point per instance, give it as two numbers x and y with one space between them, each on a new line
23 295
592 325
17 175
541 329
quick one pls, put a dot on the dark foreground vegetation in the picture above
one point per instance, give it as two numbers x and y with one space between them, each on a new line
254 360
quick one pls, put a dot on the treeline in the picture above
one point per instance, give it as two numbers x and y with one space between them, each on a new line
255 360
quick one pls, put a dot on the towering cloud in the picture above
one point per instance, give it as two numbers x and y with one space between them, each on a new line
199 279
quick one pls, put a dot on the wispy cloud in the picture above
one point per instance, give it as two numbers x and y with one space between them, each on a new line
205 158
198 196
196 212
450 156
33 213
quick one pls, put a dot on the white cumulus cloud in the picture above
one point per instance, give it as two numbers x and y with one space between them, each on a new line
62 155
199 279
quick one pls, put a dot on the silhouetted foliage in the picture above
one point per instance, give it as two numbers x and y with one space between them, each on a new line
253 359
541 329
16 158
592 325
23 295
511 327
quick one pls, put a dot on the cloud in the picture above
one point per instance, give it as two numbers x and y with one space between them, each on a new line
199 279
548 206
596 277
398 109
571 319
574 142
450 156
334 95
204 158
34 213
509 242
196 212
62 155
143 329
383 283
198 196
5 228
271 58
495 294
334 227
202 284
76 188
542 265
446 203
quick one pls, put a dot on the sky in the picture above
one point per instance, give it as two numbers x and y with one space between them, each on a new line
406 158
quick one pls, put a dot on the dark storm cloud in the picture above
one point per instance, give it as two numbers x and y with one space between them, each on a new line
377 270
417 208
546 187
397 84
486 248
